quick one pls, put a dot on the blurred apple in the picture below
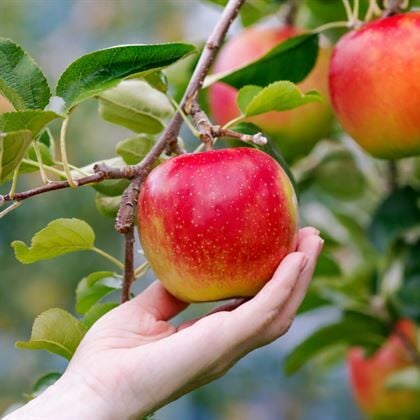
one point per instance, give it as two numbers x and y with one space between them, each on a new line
295 131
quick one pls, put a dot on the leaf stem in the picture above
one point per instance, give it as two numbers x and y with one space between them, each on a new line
187 121
331 25
72 167
141 269
9 209
63 151
233 122
38 155
109 257
14 182
347 7
46 168
356 9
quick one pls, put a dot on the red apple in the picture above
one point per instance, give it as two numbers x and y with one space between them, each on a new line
5 105
368 377
375 85
215 225
295 131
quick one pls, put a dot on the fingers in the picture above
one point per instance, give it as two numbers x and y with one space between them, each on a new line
253 317
311 246
159 302
227 307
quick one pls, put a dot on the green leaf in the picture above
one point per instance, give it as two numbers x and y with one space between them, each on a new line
44 382
134 104
291 60
353 330
106 205
60 237
157 80
112 187
94 287
398 213
100 70
13 147
279 96
21 80
33 121
134 149
97 311
56 331
245 96
407 379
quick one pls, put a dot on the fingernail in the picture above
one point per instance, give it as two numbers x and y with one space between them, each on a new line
321 244
303 262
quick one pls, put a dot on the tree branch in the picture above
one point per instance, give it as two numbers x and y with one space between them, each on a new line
209 132
128 265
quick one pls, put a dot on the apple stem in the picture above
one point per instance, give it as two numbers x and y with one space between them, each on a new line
393 7
392 175
409 346
289 12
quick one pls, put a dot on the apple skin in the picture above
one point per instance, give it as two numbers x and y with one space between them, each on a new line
295 131
215 225
368 377
375 85
5 105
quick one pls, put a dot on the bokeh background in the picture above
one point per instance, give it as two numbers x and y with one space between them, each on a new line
56 32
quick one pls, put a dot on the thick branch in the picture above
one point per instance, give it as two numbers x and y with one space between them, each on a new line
126 212
128 265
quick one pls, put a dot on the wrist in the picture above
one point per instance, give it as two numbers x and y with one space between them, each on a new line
67 399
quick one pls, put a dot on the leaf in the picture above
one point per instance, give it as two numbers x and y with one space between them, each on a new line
94 287
33 121
407 379
291 60
21 80
245 96
134 149
399 212
60 237
279 96
56 331
353 330
112 187
13 147
157 80
97 311
100 70
134 104
106 205
44 382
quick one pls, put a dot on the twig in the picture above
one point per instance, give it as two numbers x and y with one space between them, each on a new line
289 12
409 346
125 218
392 7
209 132
128 265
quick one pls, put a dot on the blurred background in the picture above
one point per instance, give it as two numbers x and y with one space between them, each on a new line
56 32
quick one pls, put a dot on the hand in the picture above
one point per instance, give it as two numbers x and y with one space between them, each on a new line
133 361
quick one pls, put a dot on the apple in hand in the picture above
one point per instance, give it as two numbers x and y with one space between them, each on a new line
295 131
375 85
369 375
215 225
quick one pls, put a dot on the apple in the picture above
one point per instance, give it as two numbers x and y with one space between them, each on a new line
368 377
5 105
374 81
295 131
215 225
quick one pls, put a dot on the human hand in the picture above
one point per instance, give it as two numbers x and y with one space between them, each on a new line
133 361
